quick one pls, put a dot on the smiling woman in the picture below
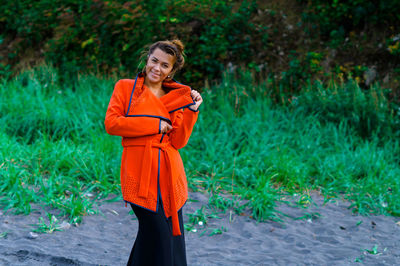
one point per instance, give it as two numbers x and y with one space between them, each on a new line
155 116
158 67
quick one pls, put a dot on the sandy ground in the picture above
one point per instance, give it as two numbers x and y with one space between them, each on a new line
334 237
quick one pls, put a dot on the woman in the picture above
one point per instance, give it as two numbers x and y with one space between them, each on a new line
155 116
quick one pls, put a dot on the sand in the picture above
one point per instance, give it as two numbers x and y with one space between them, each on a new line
334 236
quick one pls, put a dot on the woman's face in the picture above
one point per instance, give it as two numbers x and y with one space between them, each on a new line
159 66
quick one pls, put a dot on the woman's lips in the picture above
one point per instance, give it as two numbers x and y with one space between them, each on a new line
154 74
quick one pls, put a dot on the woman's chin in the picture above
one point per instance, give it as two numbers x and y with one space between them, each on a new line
154 79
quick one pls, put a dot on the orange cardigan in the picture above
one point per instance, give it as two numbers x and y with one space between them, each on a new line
151 165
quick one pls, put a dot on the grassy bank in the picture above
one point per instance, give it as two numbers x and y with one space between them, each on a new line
55 151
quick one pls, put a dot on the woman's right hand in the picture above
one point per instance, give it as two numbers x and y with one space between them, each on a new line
165 127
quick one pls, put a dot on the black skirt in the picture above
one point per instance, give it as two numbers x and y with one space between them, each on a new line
155 244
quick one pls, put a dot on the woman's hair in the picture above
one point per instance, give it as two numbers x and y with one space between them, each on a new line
174 48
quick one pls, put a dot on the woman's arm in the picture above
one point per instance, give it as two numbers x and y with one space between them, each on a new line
184 122
117 124
182 127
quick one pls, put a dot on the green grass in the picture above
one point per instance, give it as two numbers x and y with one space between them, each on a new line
43 227
54 150
246 151
268 150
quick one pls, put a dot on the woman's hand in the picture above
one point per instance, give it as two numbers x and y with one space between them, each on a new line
165 127
197 99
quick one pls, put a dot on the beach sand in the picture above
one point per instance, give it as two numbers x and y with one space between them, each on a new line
328 235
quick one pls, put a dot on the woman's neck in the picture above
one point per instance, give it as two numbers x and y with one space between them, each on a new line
155 88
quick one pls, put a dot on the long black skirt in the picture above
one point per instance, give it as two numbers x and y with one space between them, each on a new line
155 244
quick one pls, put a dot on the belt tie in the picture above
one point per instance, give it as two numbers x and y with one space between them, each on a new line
172 170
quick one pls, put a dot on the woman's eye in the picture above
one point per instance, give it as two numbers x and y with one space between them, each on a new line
165 66
154 60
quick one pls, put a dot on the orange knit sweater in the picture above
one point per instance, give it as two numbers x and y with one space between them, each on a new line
151 159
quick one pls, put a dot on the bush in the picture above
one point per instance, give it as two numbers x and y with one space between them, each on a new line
338 18
268 37
108 36
368 113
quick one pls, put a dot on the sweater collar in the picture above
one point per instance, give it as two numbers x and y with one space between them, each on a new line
178 95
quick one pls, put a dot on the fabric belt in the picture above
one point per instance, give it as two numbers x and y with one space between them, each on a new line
145 179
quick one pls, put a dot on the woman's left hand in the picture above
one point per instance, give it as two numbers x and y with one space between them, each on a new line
197 99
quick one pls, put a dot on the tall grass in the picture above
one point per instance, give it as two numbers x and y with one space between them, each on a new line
54 150
245 150
245 144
